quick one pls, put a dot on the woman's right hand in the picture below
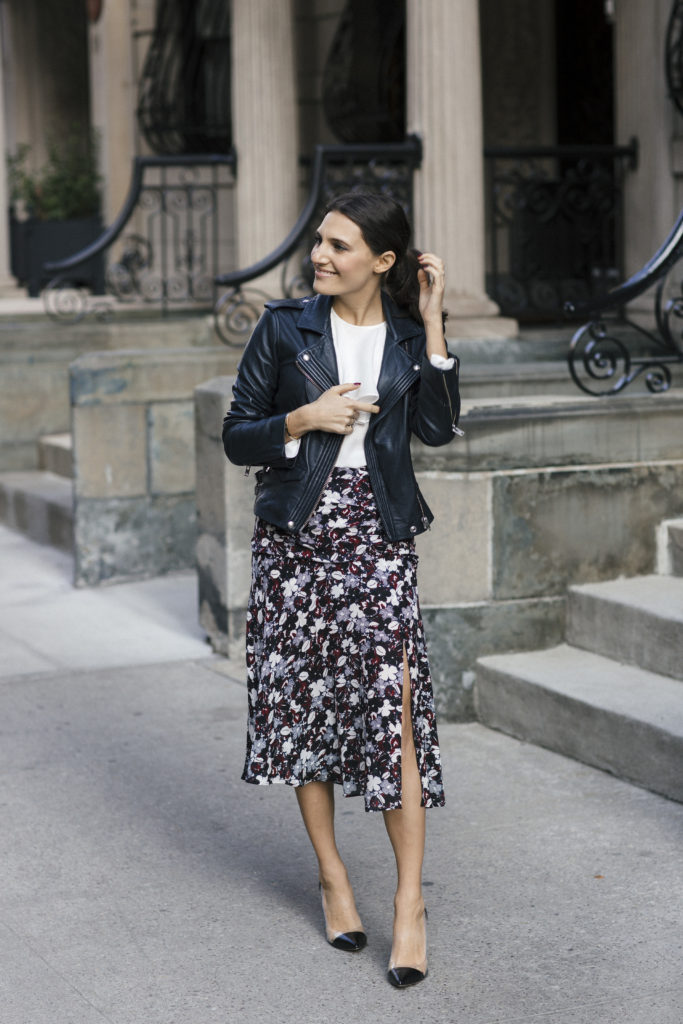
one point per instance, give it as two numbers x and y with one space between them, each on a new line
332 412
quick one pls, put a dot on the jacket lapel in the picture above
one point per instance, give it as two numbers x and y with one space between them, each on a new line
318 360
398 370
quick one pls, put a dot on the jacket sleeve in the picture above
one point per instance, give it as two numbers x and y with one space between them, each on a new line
253 432
436 408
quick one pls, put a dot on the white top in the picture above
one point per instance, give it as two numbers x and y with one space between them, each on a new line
359 351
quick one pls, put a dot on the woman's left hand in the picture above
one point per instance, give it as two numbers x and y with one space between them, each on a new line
432 279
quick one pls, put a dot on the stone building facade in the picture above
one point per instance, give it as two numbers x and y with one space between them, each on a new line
541 470
474 71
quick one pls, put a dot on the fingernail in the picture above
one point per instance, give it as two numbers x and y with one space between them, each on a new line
357 383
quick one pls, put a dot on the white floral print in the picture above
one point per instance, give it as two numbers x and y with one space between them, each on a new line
330 612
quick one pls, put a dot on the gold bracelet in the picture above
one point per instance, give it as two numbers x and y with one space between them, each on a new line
290 435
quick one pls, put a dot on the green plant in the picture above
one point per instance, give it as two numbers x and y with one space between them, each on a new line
67 186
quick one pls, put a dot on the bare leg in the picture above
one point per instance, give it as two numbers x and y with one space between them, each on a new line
316 803
406 829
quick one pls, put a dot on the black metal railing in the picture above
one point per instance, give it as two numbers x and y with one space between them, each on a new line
165 248
386 168
673 55
554 225
613 350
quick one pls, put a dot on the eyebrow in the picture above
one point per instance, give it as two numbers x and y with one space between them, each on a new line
342 241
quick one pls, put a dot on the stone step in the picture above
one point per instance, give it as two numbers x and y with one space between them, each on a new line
616 717
504 380
39 504
539 368
55 454
638 621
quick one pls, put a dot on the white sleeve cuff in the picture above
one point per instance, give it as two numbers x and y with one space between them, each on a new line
292 448
441 362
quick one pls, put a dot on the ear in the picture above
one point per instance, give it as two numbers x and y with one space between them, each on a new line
384 262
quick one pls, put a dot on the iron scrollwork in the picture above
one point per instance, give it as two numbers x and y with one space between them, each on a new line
554 225
610 352
164 248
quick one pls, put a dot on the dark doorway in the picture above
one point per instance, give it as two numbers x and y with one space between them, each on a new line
585 78
553 215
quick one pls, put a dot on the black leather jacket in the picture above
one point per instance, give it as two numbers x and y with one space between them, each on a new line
289 361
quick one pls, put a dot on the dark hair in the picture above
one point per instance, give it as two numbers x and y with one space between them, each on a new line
385 227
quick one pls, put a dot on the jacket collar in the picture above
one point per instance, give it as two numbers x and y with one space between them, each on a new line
315 316
319 360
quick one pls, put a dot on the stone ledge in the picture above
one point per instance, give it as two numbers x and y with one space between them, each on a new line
534 431
137 375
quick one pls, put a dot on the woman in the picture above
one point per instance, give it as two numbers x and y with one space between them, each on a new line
328 392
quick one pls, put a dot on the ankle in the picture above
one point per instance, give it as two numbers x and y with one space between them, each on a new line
409 901
333 876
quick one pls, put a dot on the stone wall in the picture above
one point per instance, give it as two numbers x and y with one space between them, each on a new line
541 493
134 469
35 355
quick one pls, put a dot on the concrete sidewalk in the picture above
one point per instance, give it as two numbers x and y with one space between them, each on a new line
143 883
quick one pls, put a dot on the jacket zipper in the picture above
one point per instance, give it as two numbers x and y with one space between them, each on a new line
318 385
425 522
307 374
382 505
456 429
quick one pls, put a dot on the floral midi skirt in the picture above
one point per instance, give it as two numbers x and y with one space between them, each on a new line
331 611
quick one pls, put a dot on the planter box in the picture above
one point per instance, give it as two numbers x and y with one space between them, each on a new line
36 242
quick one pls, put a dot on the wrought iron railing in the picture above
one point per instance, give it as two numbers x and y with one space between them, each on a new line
613 350
165 248
673 55
554 224
386 168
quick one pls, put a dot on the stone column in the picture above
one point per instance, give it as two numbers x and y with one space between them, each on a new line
644 110
445 110
113 99
7 283
264 130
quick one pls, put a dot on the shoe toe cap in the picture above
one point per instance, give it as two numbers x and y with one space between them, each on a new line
351 941
404 977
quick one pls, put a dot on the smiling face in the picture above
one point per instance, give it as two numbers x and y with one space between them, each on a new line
343 262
